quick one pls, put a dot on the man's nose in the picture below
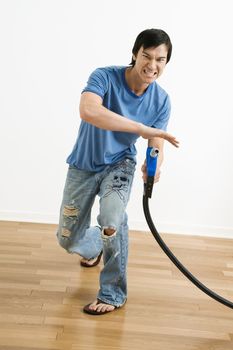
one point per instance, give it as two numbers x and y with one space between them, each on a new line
152 65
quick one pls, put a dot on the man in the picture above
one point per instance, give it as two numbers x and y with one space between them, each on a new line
118 105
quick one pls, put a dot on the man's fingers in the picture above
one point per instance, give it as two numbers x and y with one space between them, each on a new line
157 176
143 168
171 139
175 142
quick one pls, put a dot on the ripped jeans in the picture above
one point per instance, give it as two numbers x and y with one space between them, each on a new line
113 186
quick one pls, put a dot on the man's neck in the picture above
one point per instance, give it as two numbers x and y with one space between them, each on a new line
134 83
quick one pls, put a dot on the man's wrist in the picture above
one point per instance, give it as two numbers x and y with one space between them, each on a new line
141 129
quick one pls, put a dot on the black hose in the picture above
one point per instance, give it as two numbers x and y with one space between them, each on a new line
175 261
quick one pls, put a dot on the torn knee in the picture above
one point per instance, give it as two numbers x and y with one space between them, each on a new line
109 231
70 211
65 232
70 216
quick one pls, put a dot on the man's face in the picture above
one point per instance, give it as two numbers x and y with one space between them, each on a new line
150 63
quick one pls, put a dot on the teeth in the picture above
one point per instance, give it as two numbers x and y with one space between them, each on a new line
148 72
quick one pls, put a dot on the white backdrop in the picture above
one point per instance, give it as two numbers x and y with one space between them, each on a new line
49 48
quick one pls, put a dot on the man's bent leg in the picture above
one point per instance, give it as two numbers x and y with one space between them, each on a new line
74 233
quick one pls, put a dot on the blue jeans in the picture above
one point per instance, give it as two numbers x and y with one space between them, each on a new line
113 186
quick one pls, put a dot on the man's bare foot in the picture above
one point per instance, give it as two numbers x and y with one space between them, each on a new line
92 262
98 308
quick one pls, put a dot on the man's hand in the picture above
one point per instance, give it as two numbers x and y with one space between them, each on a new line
149 133
144 173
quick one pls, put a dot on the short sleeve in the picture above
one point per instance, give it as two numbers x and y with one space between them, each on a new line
163 115
97 83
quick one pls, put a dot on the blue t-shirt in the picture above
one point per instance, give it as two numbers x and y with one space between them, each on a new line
95 148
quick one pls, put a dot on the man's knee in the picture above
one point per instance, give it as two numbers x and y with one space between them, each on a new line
109 231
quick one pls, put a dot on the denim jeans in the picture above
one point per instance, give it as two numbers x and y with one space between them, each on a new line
113 186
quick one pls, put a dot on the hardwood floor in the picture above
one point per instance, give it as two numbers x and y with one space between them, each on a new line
43 290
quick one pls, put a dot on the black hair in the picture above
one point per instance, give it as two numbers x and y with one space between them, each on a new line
151 38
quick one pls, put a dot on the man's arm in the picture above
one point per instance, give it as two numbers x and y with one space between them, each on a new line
92 111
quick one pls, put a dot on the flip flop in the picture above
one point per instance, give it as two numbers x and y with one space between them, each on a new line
87 310
96 262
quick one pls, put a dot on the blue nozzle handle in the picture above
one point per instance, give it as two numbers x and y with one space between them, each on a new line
151 160
151 165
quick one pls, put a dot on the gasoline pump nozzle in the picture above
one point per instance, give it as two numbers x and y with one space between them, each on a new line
151 165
